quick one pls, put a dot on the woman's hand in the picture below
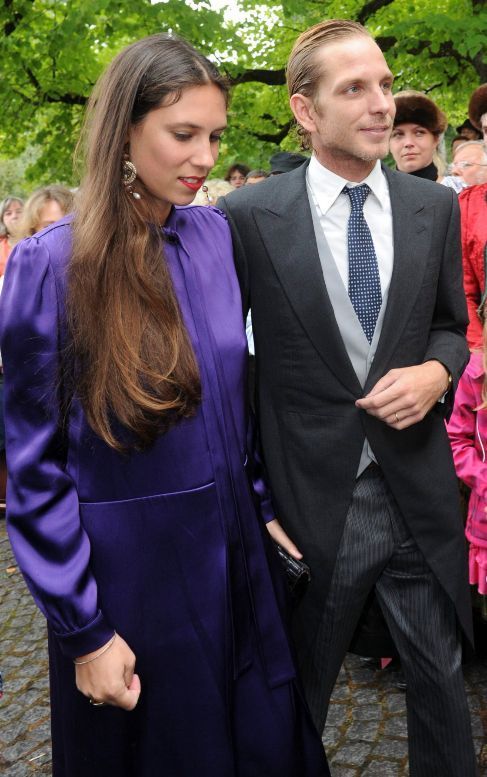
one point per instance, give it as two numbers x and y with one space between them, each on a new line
110 678
279 535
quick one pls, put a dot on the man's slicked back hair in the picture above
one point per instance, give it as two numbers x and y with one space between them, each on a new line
304 69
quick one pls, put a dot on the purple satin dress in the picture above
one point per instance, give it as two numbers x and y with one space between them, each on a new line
165 546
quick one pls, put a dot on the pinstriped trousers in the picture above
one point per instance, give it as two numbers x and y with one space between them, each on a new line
378 550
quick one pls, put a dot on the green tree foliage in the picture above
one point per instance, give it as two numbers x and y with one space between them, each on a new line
52 51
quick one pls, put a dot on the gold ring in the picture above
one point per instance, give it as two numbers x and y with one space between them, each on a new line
396 417
95 703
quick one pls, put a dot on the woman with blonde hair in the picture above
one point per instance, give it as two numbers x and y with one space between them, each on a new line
133 493
419 126
45 206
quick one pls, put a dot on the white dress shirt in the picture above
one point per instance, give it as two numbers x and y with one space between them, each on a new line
333 207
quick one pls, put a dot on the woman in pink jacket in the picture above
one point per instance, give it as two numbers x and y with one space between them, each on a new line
467 429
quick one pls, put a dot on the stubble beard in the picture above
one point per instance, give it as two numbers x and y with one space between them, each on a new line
372 157
351 154
378 152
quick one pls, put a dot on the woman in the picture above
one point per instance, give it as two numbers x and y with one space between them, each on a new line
473 210
45 206
130 510
10 215
418 128
236 175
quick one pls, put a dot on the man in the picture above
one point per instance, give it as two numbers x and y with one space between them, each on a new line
352 388
470 162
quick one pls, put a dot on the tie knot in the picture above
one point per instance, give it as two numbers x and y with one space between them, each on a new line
358 195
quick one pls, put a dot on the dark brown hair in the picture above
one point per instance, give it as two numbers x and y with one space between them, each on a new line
305 70
133 364
237 167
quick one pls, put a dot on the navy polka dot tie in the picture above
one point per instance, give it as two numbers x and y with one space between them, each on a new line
363 272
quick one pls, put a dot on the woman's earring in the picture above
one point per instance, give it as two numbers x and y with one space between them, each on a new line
129 174
204 189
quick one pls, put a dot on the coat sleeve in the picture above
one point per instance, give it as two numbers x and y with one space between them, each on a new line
473 271
257 471
447 343
43 521
470 465
258 475
239 257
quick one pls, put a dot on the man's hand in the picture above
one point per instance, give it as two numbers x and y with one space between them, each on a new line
403 396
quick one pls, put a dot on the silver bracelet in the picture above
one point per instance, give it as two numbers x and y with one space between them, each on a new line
103 650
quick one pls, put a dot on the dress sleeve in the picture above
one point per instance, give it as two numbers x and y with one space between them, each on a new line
462 427
51 548
258 475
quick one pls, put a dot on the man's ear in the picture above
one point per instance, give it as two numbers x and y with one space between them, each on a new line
304 111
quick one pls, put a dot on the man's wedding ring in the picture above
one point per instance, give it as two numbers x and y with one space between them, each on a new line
396 417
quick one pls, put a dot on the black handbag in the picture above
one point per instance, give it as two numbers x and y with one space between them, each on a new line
298 573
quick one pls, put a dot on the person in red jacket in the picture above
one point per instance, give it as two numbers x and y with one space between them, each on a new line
473 207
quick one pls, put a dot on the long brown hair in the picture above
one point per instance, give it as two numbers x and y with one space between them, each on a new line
133 364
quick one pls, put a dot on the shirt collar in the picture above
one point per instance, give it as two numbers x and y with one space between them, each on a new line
327 186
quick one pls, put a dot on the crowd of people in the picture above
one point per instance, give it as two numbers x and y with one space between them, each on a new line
156 507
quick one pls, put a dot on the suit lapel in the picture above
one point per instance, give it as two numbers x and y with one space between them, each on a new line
412 224
286 229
